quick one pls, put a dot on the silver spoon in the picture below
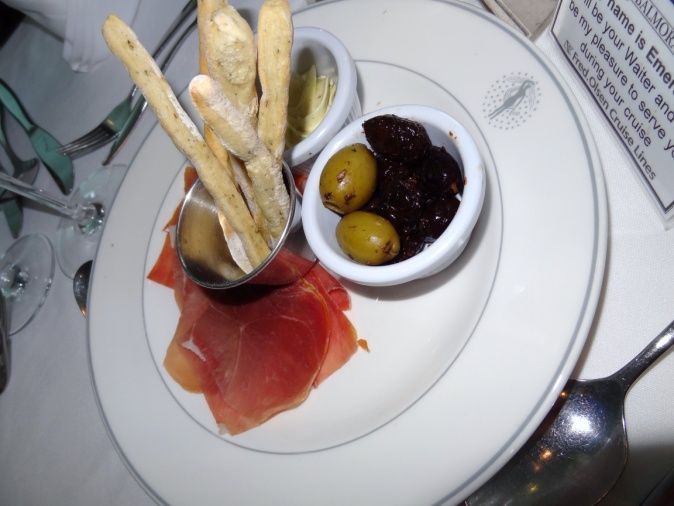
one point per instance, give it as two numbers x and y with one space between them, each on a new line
81 285
579 451
202 249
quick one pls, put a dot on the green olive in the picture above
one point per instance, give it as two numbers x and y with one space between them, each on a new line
348 179
368 238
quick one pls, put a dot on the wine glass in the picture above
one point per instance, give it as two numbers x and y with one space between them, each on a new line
77 239
83 214
26 273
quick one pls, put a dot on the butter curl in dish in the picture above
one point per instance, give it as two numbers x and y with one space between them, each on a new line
320 58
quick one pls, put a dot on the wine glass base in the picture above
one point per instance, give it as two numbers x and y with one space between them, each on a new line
73 245
26 273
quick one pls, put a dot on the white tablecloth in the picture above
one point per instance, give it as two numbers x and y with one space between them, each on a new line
53 445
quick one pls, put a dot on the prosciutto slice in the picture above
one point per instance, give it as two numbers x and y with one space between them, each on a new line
256 350
257 354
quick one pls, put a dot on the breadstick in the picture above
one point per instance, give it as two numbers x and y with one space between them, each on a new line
239 137
144 72
238 173
231 57
274 39
206 8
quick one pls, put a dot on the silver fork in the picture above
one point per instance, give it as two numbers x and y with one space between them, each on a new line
141 104
113 122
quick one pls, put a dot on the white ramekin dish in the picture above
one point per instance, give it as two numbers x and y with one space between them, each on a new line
317 46
319 223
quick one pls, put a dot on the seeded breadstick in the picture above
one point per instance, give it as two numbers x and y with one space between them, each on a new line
275 40
239 137
185 135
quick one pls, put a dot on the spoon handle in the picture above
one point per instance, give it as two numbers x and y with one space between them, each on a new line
636 367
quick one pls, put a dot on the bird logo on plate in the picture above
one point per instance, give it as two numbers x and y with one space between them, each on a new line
511 100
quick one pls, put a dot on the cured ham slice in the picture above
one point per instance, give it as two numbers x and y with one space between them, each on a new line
164 268
256 350
340 347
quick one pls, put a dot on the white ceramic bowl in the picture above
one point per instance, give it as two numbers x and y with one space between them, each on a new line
319 223
317 46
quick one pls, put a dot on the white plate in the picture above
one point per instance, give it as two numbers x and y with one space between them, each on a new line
463 366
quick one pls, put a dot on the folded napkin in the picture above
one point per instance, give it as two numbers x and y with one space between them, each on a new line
78 23
530 17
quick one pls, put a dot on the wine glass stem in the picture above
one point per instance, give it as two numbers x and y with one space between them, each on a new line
87 216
